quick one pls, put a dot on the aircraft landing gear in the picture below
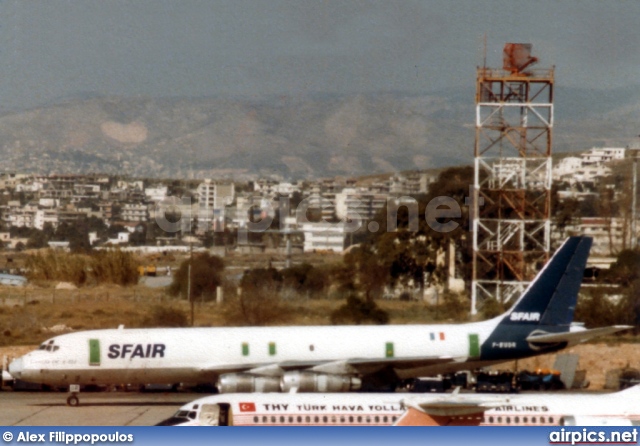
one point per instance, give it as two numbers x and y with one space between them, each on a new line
73 400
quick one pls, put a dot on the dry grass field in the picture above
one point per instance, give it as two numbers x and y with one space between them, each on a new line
29 315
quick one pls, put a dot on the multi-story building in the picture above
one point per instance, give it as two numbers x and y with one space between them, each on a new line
601 155
589 167
411 183
359 203
321 196
324 236
44 216
213 197
134 212
22 217
156 194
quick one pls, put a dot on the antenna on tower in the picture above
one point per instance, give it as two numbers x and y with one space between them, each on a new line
484 52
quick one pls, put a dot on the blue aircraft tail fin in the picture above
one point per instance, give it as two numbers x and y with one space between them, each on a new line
551 298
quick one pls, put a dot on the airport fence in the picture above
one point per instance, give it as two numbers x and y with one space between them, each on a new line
12 297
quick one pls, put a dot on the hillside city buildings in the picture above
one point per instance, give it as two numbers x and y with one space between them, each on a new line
317 211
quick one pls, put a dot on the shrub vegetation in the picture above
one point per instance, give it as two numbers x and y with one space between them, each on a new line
102 267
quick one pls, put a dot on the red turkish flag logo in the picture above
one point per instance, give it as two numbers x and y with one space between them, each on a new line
247 407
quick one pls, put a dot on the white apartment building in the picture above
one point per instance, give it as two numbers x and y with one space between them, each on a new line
213 197
359 203
324 237
410 183
589 167
29 186
44 216
286 189
134 212
156 194
597 156
22 217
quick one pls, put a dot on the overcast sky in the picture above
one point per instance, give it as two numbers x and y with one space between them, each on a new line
56 49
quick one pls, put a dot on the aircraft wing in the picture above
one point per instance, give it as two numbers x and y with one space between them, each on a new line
342 367
574 337
371 365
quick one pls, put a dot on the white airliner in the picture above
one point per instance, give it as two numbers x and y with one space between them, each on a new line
399 409
320 358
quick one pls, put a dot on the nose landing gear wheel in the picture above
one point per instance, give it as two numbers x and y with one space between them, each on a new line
73 401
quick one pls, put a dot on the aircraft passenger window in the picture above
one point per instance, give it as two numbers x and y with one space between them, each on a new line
256 419
273 418
491 420
333 419
299 419
342 420
264 418
525 419
350 418
394 419
359 419
376 419
516 420
533 420
499 420
316 419
290 419
368 420
508 420
281 419
307 419
385 419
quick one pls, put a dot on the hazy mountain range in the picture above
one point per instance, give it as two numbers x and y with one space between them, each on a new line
290 137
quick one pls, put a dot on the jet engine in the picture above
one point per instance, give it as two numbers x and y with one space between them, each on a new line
319 382
571 420
246 382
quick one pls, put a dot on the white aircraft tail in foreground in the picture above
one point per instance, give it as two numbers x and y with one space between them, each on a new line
321 358
530 409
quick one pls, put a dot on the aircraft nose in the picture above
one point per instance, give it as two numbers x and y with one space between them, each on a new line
16 367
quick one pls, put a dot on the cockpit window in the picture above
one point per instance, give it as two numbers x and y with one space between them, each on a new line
179 417
49 346
186 414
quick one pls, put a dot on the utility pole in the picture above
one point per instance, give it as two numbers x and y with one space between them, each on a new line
634 238
189 283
